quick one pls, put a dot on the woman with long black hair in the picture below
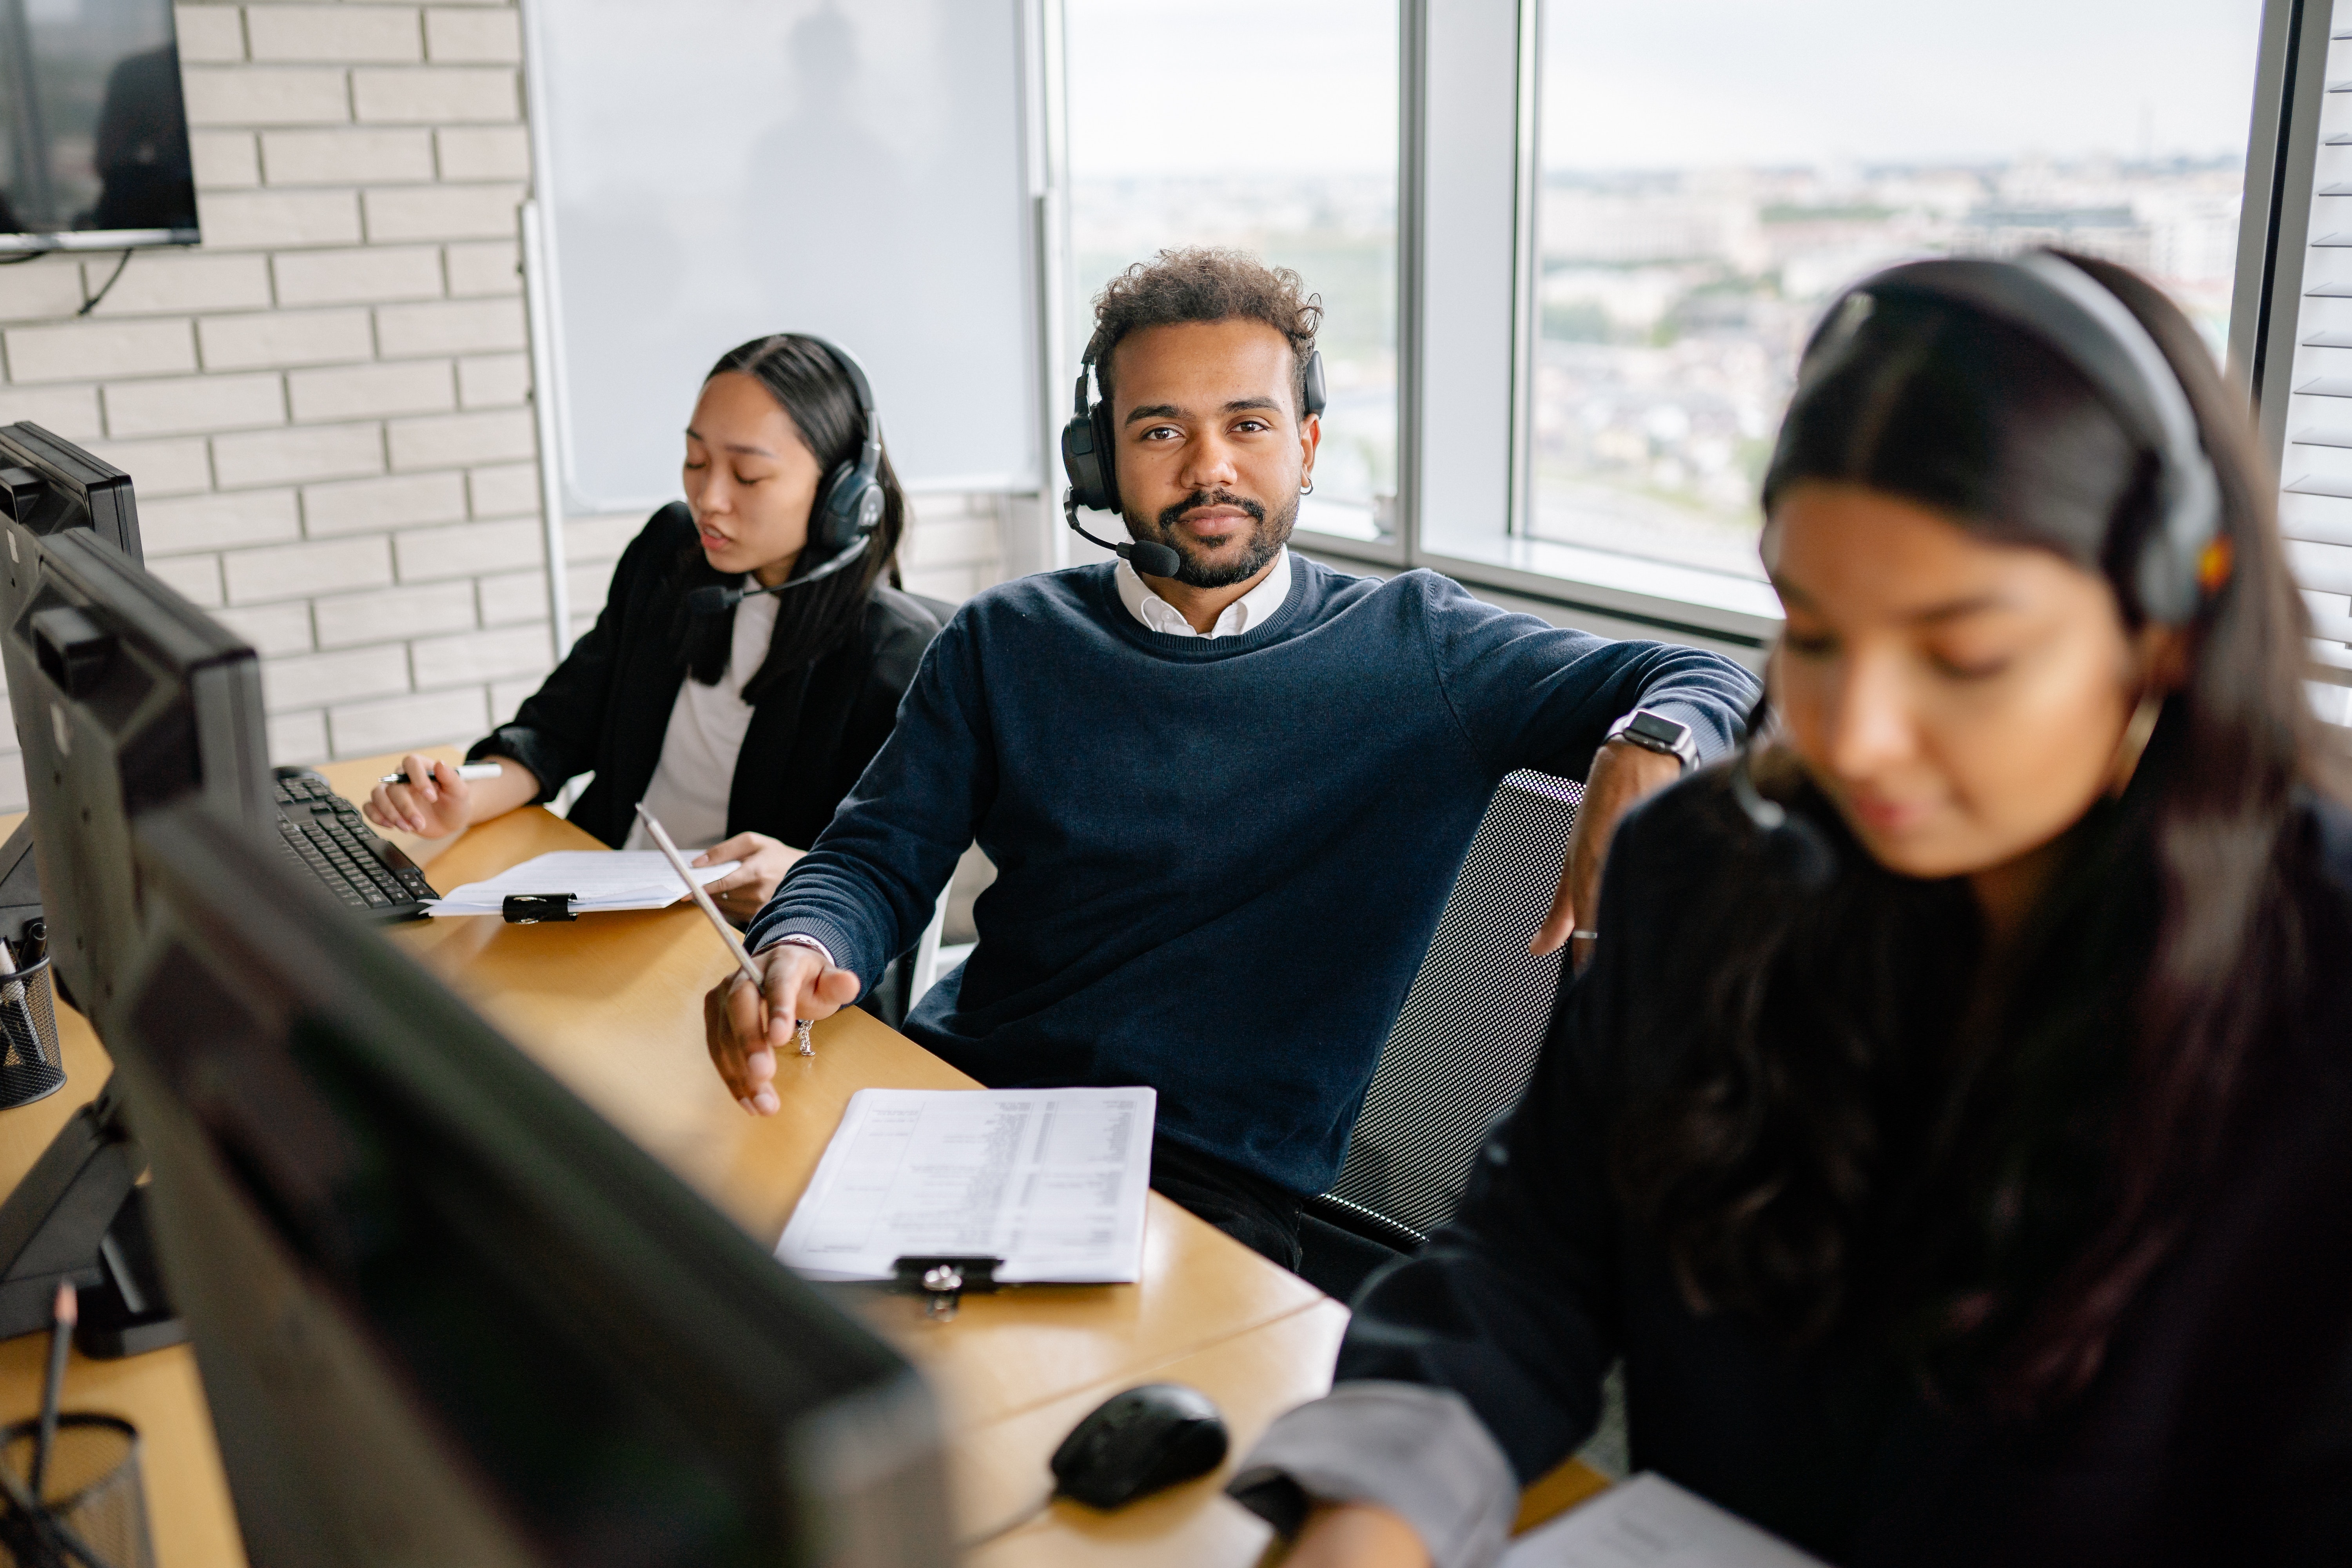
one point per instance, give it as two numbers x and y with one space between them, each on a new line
1952 1136
745 669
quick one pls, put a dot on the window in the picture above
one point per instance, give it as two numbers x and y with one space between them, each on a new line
1271 128
1710 175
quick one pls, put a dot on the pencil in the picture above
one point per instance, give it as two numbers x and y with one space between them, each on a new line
61 1322
677 863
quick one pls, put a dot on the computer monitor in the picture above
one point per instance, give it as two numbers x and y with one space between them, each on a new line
48 484
442 1312
126 696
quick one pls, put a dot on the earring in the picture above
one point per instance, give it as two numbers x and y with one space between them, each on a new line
2133 743
1309 488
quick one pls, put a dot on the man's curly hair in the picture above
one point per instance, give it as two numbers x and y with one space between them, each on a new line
1206 284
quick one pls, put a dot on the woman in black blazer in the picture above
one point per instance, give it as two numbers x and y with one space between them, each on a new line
1952 1135
741 725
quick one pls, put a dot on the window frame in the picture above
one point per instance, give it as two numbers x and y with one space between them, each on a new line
2276 239
1469 109
1466 317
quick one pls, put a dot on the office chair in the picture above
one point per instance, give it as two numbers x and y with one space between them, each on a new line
1464 1045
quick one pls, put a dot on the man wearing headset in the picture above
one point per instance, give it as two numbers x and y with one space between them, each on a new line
1226 789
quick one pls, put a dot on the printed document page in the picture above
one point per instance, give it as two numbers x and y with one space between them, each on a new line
1650 1522
1050 1180
596 880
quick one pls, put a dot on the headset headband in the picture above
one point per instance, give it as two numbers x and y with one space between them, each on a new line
872 452
1311 401
2072 313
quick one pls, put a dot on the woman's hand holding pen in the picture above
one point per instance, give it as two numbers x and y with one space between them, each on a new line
437 802
742 891
750 1030
433 805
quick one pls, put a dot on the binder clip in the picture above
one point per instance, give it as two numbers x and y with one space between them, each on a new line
530 909
943 1280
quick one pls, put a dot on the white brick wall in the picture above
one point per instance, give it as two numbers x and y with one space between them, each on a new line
325 406
299 399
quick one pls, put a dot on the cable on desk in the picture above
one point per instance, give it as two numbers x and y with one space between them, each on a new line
1034 1510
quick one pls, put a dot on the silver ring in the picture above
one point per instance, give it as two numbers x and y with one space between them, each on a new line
1584 936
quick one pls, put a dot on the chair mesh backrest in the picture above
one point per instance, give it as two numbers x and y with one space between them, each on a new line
1466 1042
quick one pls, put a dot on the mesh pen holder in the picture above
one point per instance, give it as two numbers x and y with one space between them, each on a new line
92 1487
32 1059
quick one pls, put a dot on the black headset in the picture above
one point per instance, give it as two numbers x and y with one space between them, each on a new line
2183 561
849 506
2185 558
1087 457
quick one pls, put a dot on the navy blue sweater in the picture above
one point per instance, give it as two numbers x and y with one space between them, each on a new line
1219 860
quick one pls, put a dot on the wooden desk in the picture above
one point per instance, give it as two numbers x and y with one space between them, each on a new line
612 1005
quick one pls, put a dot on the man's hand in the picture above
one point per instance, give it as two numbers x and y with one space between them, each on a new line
1621 774
744 891
1356 1535
748 1029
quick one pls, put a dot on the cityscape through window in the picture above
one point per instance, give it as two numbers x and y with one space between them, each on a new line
1270 128
1713 173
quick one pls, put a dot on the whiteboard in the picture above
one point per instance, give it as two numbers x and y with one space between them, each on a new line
710 170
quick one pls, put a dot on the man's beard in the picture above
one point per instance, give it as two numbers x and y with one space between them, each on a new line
1266 539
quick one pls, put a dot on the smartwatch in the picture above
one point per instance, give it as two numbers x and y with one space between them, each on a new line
1656 732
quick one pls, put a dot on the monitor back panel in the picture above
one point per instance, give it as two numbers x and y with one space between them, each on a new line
445 1313
126 697
82 491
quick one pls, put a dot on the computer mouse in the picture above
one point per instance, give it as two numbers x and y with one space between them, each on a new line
1138 1442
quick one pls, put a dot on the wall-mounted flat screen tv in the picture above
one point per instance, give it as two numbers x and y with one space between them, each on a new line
93 133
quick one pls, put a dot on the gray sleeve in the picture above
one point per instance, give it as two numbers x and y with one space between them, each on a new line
1413 1449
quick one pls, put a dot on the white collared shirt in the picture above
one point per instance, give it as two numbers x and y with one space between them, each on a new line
1250 611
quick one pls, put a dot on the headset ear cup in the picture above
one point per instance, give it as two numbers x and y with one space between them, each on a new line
1087 455
2160 583
1106 460
1312 403
1078 463
830 528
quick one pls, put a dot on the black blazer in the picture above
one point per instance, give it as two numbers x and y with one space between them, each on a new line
607 705
2218 1429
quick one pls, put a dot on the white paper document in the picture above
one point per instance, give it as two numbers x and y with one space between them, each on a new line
1050 1180
596 880
1650 1522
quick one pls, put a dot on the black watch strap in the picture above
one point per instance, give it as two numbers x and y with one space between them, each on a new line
1656 732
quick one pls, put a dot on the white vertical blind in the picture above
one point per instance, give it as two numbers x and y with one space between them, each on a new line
2315 462
713 169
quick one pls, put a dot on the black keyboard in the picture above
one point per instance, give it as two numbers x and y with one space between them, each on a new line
327 833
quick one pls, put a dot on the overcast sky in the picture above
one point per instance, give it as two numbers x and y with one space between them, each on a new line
1218 86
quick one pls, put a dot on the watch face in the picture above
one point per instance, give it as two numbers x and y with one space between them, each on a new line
1657 729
